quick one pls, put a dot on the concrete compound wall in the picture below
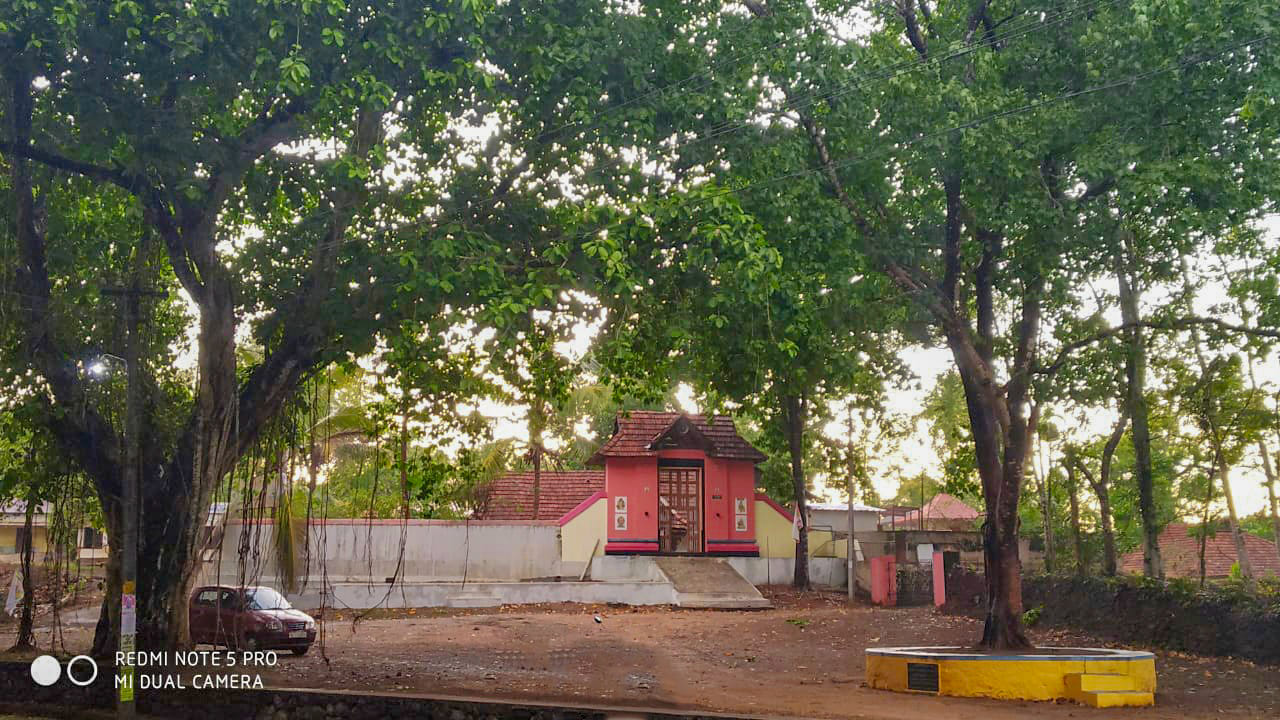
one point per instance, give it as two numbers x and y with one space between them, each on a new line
823 571
504 562
366 595
368 551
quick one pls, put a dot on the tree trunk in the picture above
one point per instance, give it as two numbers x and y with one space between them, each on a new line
1046 517
537 481
1000 458
537 423
1275 515
107 630
794 420
26 623
1204 534
1108 533
1237 535
1073 489
404 462
1135 404
1104 493
1271 492
1102 488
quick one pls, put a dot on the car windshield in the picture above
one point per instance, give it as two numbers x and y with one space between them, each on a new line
262 598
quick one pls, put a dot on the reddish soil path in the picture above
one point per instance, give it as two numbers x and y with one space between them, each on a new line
803 658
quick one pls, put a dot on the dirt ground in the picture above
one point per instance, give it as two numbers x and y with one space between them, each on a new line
79 589
803 659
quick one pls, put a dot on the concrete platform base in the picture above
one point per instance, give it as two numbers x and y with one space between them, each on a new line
1096 677
722 601
704 582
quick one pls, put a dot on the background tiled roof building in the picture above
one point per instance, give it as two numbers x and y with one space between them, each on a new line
510 497
1180 552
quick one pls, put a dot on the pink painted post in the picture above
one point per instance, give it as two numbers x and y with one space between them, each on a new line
877 580
939 581
884 580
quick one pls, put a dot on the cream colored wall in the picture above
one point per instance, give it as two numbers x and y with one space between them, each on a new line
584 533
9 539
773 535
823 544
773 532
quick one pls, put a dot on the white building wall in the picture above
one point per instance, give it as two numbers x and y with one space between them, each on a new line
433 551
838 520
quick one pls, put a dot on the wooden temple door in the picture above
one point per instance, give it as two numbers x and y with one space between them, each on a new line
680 509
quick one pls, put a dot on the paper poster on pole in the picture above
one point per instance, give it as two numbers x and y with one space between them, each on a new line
128 638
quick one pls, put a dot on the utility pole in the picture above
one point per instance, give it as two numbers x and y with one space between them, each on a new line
129 501
921 523
851 551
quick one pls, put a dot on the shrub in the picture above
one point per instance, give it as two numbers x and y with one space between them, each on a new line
1233 617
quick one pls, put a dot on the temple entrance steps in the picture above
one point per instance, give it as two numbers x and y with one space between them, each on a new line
707 582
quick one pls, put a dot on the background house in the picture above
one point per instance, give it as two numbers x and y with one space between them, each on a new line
91 543
1180 551
511 497
835 516
943 512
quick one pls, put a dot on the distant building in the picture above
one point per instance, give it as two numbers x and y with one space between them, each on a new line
835 516
672 483
510 497
90 541
943 512
1180 553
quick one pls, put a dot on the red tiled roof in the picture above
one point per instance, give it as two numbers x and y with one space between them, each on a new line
942 507
636 430
1180 553
510 497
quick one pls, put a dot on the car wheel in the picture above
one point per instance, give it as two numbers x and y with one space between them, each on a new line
250 643
301 650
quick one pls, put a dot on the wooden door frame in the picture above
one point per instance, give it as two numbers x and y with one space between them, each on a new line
686 464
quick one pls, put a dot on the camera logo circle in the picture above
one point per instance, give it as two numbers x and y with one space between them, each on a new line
92 664
45 670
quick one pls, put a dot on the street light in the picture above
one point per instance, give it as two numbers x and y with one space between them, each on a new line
97 368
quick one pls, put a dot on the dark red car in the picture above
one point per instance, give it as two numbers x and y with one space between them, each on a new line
249 618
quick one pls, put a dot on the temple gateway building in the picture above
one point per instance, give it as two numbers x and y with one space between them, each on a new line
678 483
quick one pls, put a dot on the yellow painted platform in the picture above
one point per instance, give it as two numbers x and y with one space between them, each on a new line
1095 677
